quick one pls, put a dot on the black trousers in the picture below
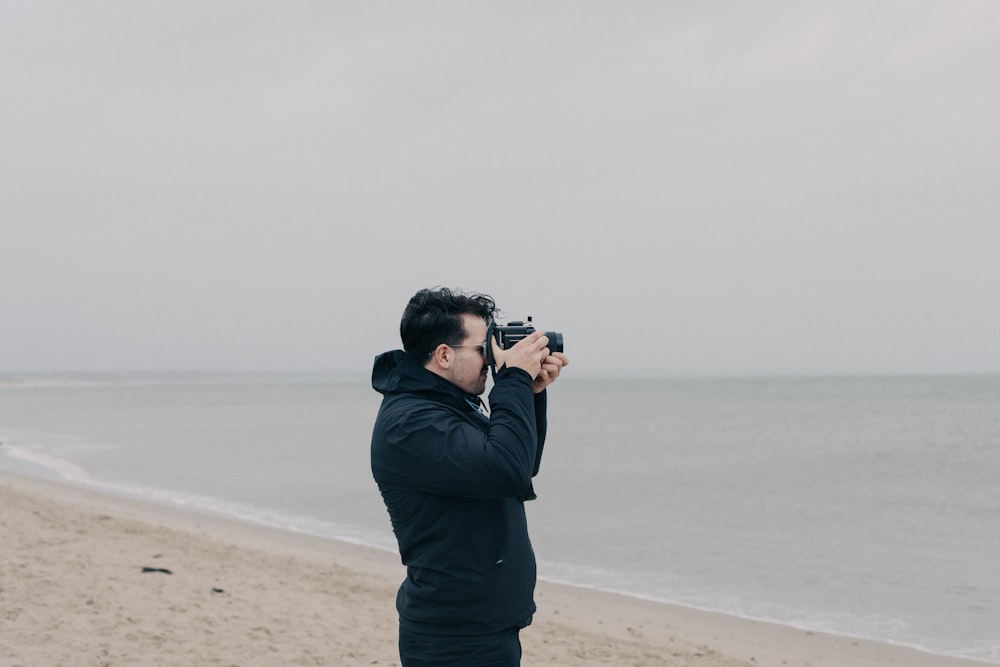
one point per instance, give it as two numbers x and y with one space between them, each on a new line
502 649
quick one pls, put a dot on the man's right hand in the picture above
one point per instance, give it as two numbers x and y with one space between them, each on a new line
527 354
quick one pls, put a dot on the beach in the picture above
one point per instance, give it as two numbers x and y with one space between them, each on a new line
95 579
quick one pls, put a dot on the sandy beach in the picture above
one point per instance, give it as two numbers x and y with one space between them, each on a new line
88 579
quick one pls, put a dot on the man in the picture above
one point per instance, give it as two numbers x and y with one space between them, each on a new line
454 478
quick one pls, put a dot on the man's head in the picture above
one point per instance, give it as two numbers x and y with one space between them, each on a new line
446 331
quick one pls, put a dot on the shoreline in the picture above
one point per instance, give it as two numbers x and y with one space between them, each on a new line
74 592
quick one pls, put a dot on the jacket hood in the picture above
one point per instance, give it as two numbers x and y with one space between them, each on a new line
396 372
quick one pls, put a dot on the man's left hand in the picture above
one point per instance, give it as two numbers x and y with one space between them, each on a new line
552 365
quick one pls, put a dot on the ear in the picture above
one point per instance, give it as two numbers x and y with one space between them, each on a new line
441 357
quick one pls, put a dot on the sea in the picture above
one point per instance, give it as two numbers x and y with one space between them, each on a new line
866 506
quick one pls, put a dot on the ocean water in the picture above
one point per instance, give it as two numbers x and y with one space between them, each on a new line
863 506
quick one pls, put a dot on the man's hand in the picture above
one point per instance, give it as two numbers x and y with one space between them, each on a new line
552 365
532 355
527 354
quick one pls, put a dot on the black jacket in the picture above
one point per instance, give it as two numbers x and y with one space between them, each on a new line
454 483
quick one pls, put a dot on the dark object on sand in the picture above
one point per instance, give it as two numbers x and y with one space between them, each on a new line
156 569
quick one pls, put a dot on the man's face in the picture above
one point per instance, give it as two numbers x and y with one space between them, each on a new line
469 368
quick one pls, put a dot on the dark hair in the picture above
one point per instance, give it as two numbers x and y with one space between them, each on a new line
434 316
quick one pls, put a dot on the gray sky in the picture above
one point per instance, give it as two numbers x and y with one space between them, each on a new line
679 188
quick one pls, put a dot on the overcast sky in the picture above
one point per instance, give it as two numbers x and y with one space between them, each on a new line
678 187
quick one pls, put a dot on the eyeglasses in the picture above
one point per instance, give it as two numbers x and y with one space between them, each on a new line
481 347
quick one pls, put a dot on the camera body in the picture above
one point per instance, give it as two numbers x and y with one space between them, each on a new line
509 334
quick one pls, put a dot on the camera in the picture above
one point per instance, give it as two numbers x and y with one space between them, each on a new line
509 334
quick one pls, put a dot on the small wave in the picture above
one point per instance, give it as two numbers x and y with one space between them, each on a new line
256 515
71 472
882 629
207 504
61 467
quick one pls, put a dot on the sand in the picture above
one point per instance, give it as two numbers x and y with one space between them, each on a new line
83 583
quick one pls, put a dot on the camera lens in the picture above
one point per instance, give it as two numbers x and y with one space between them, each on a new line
555 341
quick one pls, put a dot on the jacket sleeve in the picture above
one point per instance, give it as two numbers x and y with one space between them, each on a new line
434 449
541 426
